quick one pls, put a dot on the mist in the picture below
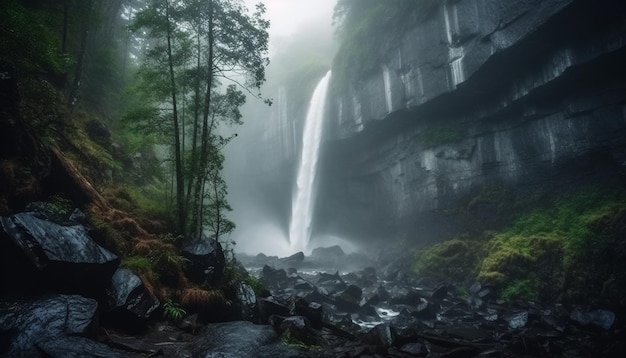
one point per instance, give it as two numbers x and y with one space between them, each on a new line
302 44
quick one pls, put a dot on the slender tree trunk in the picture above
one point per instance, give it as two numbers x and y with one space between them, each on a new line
196 119
218 211
78 73
206 128
65 21
180 185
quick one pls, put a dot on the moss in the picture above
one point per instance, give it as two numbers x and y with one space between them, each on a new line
520 289
453 260
563 248
105 235
139 264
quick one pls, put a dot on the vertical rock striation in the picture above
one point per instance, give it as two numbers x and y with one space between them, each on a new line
523 92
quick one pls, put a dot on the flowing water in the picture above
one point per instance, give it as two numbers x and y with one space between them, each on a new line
304 196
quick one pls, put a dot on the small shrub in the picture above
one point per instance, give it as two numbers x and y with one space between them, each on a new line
173 312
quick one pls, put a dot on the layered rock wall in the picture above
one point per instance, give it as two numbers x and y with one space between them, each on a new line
481 91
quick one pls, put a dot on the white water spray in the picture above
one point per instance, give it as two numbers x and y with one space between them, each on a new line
304 199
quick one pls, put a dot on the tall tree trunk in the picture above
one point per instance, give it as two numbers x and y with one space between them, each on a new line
178 163
206 128
78 73
196 119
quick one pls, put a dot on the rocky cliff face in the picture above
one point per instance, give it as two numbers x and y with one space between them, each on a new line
522 92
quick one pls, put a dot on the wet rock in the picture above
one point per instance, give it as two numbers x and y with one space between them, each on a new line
190 324
517 320
440 293
328 256
415 349
274 278
313 311
381 335
65 258
425 309
76 347
270 306
331 283
247 302
206 260
129 299
293 261
240 339
302 284
601 318
349 298
34 321
297 328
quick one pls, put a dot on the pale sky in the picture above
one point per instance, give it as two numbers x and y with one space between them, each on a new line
287 15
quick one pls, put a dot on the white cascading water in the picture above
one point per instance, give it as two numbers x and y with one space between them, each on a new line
304 199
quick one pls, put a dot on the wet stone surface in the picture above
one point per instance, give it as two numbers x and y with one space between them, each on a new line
392 313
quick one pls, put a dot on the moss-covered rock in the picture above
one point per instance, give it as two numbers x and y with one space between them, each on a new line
453 260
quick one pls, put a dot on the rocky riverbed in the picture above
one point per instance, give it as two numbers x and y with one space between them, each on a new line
328 304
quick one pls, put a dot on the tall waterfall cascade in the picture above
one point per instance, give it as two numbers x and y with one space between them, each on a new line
303 203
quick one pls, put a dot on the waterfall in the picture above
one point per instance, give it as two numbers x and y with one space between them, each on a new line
303 202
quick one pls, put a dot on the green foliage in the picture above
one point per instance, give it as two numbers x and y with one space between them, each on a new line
194 46
172 311
255 284
29 39
104 234
556 247
517 257
454 260
295 342
138 264
520 289
60 206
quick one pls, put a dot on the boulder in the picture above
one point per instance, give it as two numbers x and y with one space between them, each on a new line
240 339
130 301
293 261
61 257
298 329
206 260
381 335
327 254
33 322
349 298
274 278
246 302
269 306
76 347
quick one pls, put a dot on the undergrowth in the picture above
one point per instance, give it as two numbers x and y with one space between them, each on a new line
566 249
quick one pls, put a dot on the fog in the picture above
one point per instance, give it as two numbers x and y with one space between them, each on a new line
301 32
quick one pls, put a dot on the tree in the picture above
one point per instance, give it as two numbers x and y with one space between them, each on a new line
195 46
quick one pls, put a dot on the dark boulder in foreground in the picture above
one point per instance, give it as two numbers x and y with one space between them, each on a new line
130 302
27 324
240 339
61 257
207 261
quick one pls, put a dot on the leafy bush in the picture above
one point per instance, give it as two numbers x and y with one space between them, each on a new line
173 312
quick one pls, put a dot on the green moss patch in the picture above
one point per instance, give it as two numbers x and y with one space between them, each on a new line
453 260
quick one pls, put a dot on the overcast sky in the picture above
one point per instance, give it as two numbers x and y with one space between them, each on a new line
288 17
